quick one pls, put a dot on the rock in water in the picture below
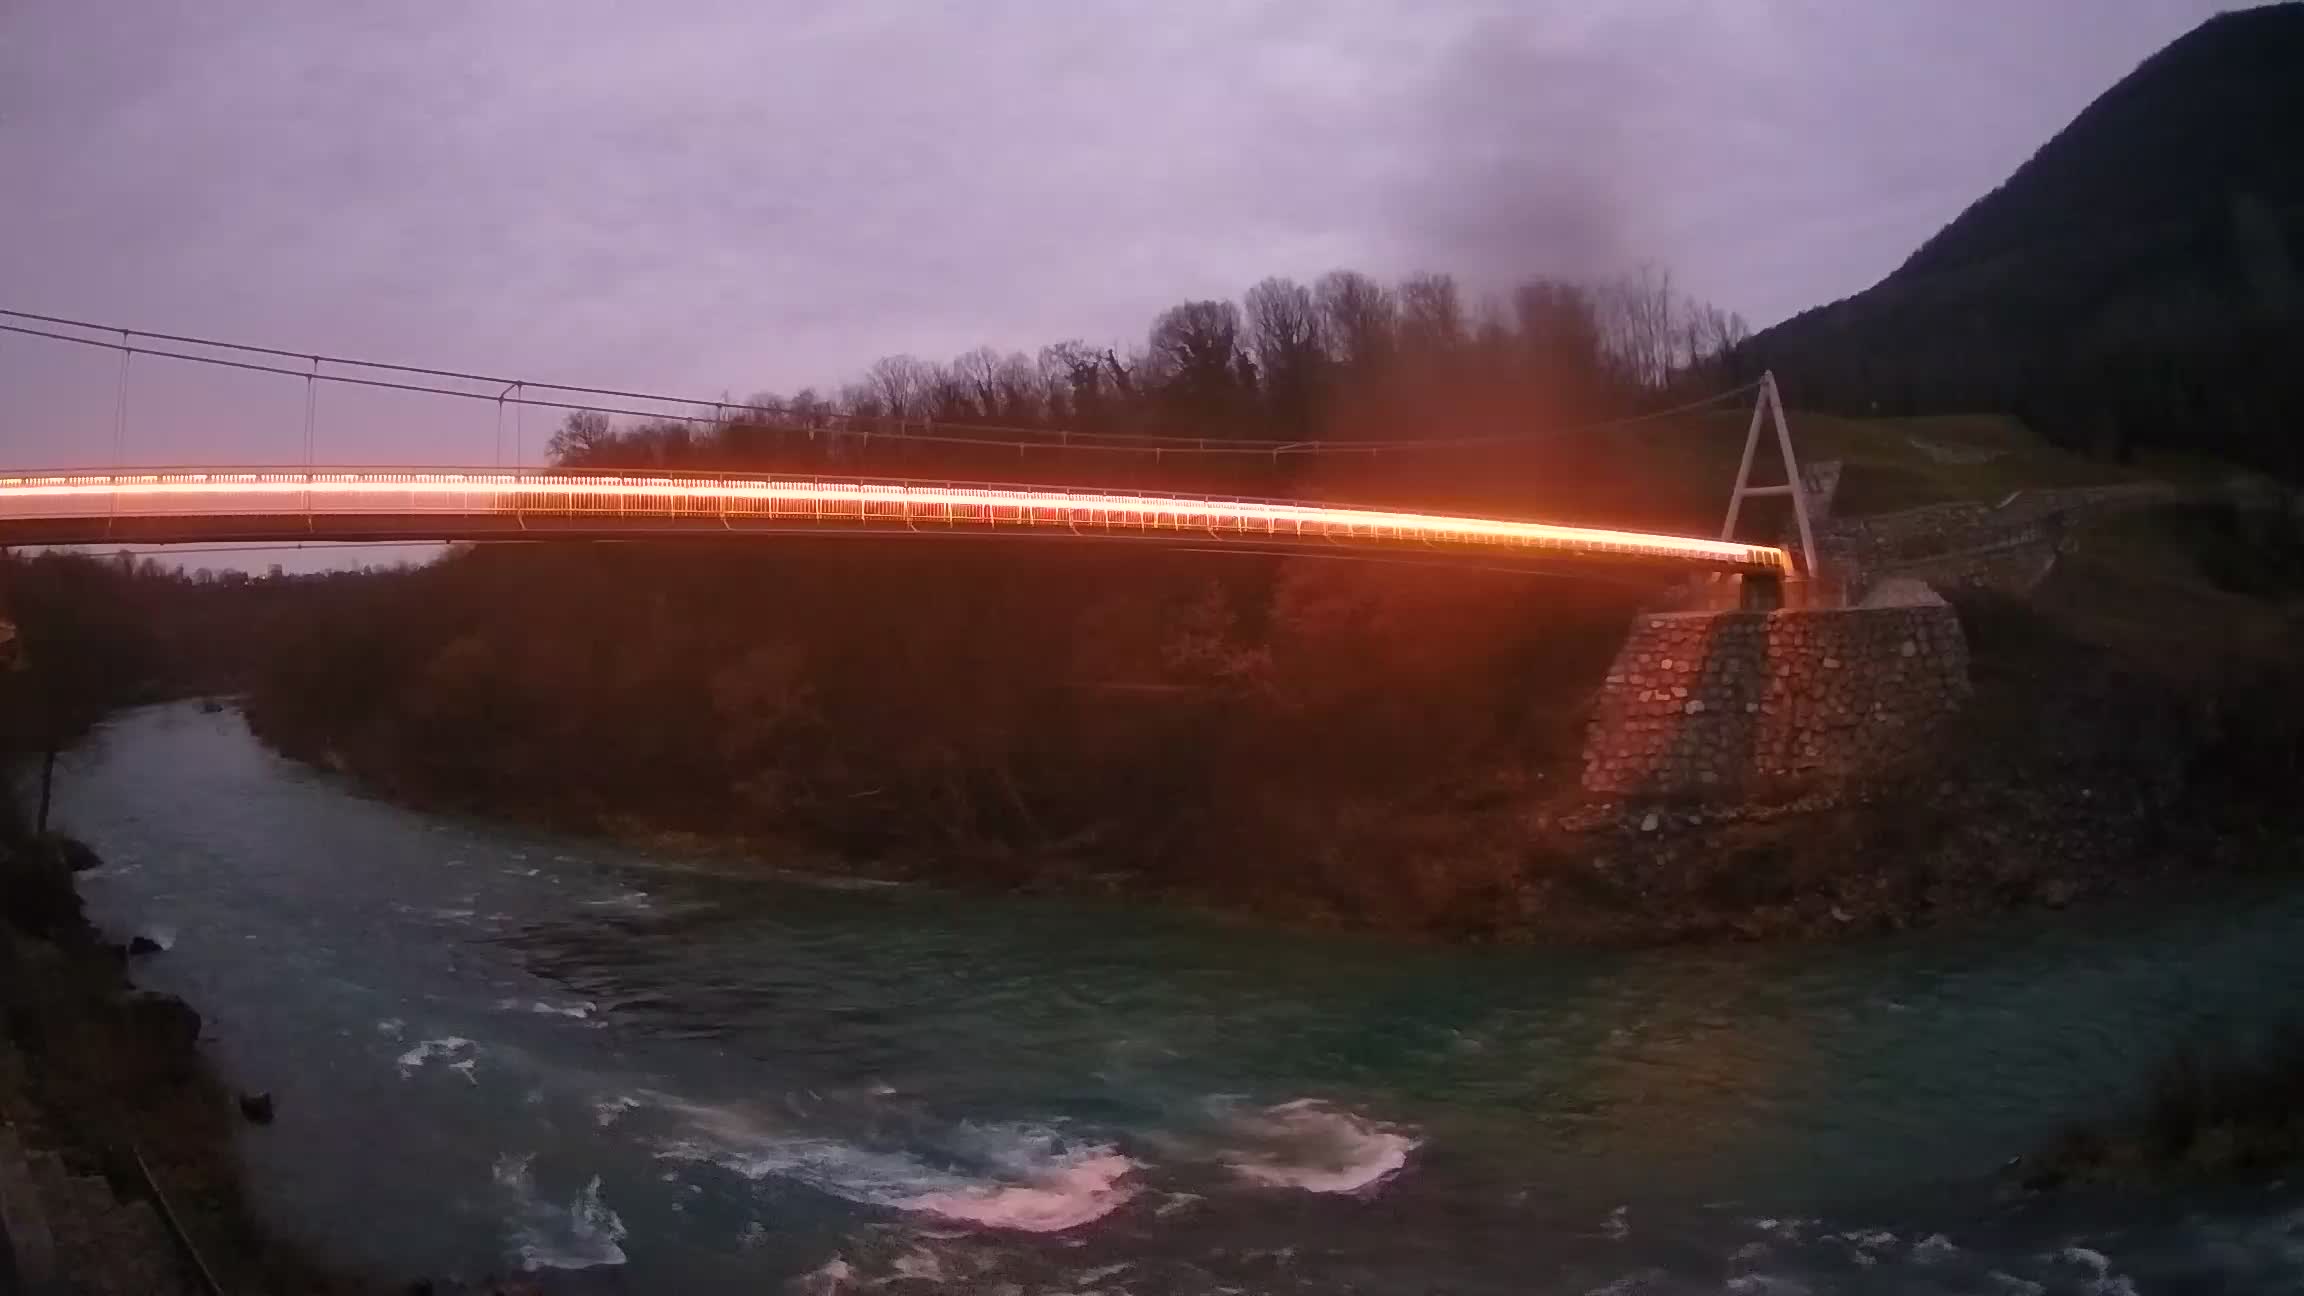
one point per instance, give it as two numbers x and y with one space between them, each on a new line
257 1107
164 1030
144 945
77 855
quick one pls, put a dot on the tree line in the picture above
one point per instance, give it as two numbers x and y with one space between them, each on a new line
81 636
1270 732
1346 357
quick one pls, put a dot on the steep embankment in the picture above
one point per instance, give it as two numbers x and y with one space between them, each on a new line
2137 285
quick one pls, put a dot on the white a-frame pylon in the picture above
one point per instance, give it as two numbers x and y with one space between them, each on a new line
1769 405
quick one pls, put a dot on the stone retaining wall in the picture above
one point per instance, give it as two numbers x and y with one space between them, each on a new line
1724 704
2017 566
1866 547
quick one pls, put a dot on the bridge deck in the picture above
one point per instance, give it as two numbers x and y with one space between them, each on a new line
192 505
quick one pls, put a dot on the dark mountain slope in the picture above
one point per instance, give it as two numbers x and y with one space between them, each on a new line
2139 283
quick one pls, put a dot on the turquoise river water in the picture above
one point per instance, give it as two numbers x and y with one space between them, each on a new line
498 1050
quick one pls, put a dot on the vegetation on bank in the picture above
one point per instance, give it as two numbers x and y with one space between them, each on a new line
101 1079
1226 726
1332 741
2212 1113
107 1080
94 1073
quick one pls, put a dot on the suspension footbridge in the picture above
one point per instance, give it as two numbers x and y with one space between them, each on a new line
312 502
188 505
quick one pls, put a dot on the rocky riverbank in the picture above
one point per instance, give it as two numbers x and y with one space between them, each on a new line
118 1173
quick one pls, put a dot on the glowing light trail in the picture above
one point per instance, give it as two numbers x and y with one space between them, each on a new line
446 503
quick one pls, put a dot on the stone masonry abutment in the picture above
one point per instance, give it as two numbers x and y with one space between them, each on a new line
1724 704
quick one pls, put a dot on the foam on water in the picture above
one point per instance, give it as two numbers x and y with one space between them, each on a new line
1933 1249
917 1265
1767 1285
581 1235
545 1008
1072 1190
1103 1272
627 902
824 1279
452 1049
2101 1280
1311 1145
1177 1201
1630 1284
1027 1178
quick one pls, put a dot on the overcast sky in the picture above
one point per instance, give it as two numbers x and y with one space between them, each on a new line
731 195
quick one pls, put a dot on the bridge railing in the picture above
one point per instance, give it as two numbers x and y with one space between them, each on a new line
733 501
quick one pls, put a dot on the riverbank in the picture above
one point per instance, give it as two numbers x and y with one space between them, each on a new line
1321 745
119 1164
2215 1113
2077 773
106 1098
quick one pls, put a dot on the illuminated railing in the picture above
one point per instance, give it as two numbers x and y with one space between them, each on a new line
65 507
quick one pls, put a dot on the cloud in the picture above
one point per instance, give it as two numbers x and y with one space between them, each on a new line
1523 164
725 195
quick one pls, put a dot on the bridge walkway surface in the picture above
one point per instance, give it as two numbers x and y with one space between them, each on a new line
191 505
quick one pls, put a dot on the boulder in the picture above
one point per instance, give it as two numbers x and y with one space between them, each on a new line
143 945
76 854
163 1021
257 1107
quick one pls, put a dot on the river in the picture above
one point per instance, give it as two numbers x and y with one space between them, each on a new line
495 1049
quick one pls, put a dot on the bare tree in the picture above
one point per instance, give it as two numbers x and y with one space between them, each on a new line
803 409
951 398
1020 391
1637 324
1431 313
1197 339
1358 320
1560 332
1195 353
584 437
1725 332
1088 382
1284 331
902 386
1283 323
976 377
